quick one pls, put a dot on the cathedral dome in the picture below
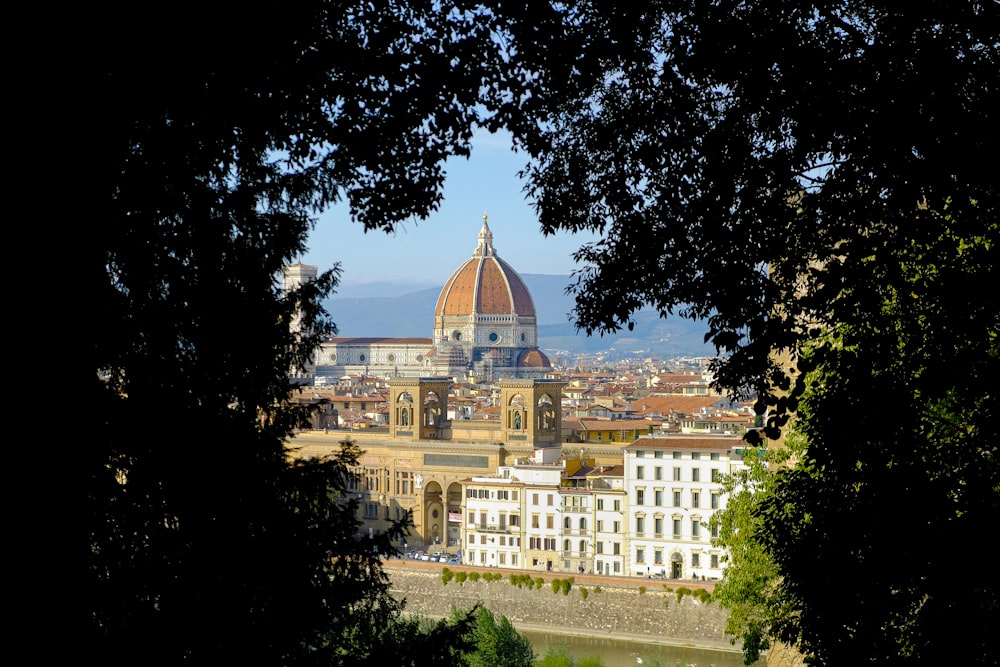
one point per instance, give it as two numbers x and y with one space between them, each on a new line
485 285
533 358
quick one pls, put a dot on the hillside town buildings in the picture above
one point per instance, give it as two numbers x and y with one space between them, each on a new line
500 460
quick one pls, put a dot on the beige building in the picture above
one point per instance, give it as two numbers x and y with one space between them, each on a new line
420 465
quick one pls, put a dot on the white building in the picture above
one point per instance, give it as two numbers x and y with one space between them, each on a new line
492 531
513 519
610 503
673 490
577 530
649 517
542 476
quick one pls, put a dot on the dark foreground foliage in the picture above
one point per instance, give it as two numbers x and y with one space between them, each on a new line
818 178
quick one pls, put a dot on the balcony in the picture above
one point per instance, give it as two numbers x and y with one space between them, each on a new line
492 528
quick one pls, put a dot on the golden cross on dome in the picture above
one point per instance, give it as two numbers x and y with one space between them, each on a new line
485 216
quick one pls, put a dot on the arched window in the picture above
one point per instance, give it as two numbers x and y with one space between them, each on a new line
583 523
432 409
546 413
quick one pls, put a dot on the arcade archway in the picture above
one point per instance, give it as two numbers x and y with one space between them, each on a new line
435 515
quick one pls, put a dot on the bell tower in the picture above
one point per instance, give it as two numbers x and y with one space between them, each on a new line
418 407
532 412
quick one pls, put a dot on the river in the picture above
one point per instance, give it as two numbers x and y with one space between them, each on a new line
621 653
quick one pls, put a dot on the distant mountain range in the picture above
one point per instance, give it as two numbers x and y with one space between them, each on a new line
398 310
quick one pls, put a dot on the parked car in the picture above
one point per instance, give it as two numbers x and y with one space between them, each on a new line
439 557
454 560
423 555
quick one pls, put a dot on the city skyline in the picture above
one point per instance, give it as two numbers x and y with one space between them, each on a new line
428 251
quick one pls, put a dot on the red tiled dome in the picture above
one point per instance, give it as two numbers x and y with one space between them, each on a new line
485 285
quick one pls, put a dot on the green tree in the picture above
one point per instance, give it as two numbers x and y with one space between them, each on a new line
864 485
560 657
497 643
416 641
731 137
490 640
918 456
556 657
750 589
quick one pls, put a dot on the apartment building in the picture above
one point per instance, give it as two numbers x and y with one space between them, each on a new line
610 503
648 517
673 488
543 511
514 519
577 529
492 533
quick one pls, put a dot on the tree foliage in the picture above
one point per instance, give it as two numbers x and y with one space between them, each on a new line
881 497
777 167
493 641
819 180
751 588
560 657
416 641
848 550
219 132
745 160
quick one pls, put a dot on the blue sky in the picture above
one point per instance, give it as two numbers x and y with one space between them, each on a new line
427 252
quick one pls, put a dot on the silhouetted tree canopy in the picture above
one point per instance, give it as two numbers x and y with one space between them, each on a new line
819 180
734 148
776 167
222 130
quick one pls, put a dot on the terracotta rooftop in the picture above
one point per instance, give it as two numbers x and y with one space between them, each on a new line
721 442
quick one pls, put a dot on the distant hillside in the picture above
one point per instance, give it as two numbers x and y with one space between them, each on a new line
397 310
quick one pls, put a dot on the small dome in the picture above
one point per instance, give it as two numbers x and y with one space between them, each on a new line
533 358
485 285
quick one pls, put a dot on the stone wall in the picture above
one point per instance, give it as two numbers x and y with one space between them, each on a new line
625 611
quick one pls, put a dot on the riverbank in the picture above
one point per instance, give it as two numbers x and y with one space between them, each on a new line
624 609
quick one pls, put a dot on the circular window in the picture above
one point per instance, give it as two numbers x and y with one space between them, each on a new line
435 514
362 358
333 358
494 336
457 335
420 357
391 358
